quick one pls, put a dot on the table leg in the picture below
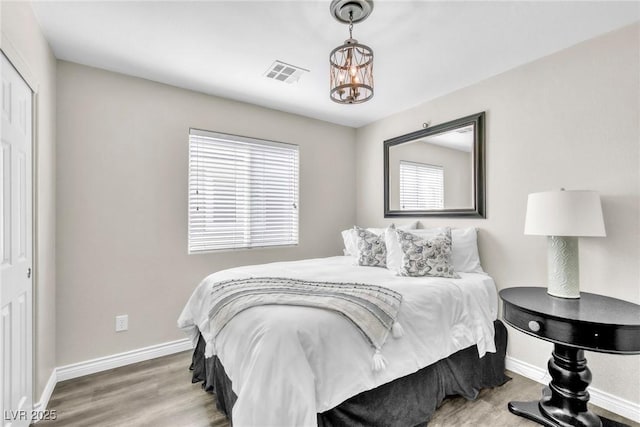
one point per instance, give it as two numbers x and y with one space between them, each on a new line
570 378
564 401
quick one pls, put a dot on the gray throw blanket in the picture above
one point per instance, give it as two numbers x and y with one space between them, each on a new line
372 309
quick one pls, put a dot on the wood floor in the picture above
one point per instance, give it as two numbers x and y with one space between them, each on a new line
159 393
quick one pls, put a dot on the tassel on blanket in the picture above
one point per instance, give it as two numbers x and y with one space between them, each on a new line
378 362
209 350
397 330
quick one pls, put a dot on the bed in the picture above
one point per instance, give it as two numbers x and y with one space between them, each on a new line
280 365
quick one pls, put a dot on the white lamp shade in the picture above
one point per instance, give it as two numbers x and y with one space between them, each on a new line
564 213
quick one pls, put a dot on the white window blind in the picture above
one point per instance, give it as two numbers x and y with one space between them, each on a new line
421 186
243 192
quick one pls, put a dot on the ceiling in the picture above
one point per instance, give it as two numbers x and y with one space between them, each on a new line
423 49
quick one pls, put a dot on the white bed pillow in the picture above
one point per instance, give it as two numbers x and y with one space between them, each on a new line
411 226
350 238
465 255
464 251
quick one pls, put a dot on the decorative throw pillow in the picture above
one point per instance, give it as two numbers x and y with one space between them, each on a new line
350 237
426 257
372 251
464 248
394 251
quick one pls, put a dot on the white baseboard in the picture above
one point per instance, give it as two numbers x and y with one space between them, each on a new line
100 364
527 370
598 397
41 405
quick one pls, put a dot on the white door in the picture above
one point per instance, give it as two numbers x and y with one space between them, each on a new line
15 250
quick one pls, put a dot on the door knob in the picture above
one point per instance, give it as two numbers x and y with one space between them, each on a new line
29 273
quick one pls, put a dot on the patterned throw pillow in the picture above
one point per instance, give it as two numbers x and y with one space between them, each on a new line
426 257
372 251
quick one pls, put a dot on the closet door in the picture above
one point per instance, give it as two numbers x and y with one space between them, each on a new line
15 250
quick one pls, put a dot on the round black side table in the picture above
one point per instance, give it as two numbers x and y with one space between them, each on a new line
591 322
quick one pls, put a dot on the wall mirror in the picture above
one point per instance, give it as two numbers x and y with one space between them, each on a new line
437 171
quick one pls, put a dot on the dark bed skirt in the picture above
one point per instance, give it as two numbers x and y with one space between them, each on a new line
406 401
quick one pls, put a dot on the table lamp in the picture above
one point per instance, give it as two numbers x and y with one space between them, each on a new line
564 216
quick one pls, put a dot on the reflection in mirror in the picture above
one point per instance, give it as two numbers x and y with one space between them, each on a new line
436 171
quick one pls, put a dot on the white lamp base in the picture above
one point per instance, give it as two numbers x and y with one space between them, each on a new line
564 272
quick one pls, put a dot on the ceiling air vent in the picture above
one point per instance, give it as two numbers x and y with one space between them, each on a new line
285 72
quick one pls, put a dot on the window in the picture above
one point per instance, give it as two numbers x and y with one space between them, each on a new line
243 192
421 186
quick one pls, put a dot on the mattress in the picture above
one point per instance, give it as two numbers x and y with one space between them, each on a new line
288 363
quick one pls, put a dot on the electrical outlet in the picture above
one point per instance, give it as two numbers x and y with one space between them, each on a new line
122 323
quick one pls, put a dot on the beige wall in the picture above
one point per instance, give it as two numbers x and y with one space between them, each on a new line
122 203
567 120
456 166
26 47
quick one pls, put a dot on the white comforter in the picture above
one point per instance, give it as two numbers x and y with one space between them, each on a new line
287 363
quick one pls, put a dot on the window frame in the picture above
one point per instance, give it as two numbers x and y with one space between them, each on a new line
246 242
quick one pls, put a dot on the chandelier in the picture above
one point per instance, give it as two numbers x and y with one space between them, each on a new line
351 64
